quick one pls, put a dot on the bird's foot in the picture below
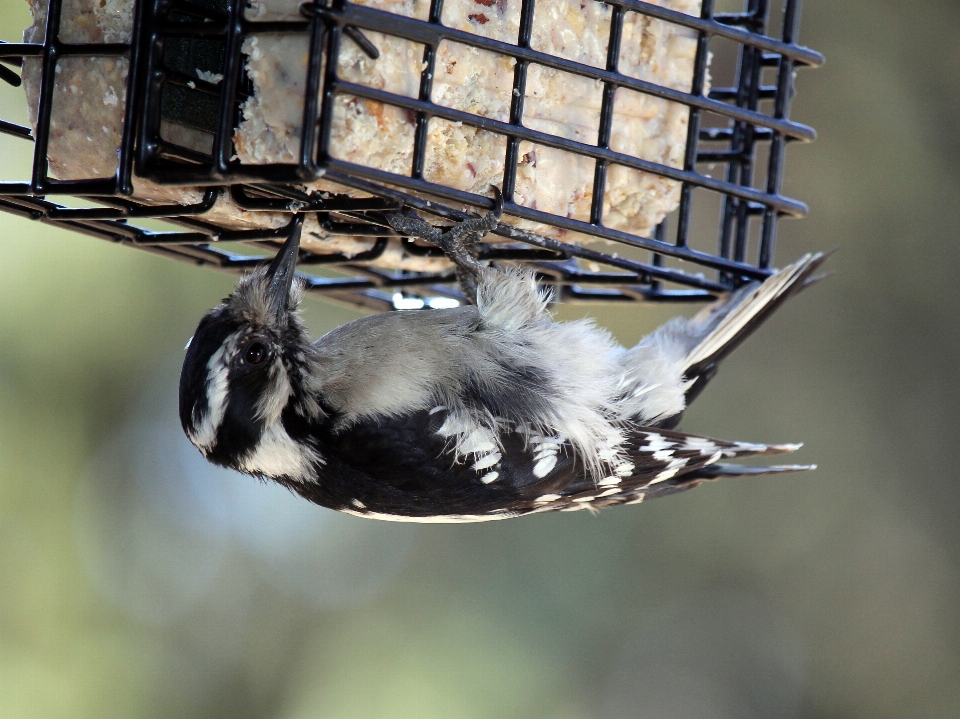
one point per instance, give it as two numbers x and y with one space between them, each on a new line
457 242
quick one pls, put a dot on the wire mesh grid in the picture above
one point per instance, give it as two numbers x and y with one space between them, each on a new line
186 63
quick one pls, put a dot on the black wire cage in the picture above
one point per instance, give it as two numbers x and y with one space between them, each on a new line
186 63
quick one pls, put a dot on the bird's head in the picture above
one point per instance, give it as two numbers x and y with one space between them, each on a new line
244 365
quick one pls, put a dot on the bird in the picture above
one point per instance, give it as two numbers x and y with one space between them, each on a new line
480 412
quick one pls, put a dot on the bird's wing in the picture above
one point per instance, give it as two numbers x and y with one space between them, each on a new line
665 462
410 468
416 467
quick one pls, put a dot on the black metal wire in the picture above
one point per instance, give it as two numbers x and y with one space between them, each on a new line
173 38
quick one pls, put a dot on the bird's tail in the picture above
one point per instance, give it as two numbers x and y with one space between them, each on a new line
713 472
688 460
720 328
683 355
665 462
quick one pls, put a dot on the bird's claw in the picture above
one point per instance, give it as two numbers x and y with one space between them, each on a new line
457 243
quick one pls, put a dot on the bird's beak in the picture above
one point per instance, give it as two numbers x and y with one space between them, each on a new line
282 270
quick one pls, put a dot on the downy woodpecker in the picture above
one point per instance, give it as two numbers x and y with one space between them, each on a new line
468 414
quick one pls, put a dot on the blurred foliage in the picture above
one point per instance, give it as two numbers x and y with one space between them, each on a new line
834 594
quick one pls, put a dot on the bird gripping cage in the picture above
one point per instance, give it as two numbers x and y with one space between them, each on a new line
193 79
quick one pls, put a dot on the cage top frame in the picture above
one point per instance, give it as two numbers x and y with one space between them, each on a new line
274 187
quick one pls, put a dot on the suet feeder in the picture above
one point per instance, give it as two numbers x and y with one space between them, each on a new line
189 81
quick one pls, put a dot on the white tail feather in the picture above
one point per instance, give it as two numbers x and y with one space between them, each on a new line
754 299
750 449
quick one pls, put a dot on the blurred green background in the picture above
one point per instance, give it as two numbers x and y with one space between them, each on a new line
136 581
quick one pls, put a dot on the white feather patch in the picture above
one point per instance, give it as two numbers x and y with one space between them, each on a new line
656 442
479 441
665 475
274 399
277 455
542 468
701 445
487 461
204 435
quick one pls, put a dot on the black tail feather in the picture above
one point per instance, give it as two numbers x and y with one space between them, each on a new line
718 471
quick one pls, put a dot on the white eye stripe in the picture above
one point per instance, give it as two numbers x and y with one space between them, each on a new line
204 434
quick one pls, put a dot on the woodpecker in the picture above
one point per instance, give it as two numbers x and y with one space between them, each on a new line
480 412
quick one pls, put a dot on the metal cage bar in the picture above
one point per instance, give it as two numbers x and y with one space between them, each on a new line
215 30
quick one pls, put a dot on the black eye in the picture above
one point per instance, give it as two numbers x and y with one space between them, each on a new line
255 353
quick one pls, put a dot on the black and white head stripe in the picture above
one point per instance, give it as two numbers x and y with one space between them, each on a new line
237 418
202 401
235 387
